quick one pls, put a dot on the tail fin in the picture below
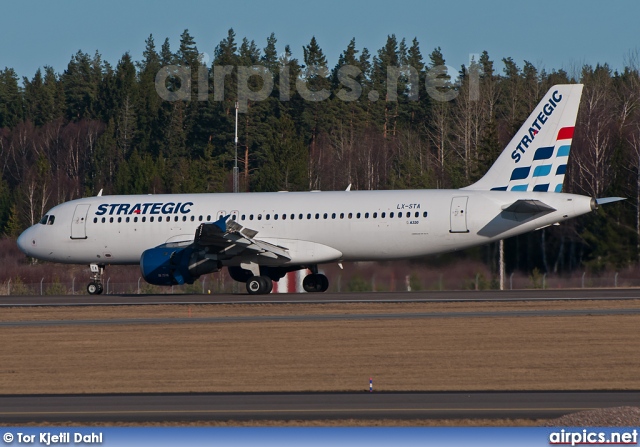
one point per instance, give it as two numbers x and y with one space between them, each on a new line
536 158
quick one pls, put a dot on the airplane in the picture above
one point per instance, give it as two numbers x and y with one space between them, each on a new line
259 237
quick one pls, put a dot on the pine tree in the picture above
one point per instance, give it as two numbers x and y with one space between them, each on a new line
270 55
316 110
79 87
148 99
11 107
5 206
14 225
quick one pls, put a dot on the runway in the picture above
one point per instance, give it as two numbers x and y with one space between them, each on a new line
323 298
305 406
307 317
333 405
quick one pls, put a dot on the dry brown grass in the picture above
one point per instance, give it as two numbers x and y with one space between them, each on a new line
502 353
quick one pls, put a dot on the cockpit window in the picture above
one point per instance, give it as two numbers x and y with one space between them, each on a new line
44 219
52 219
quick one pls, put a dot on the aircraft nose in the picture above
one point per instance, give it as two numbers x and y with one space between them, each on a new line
26 242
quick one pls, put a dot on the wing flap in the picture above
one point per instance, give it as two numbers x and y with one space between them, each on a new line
233 239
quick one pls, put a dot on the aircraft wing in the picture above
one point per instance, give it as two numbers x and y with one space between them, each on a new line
228 238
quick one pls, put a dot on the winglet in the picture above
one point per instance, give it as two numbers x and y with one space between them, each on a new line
222 223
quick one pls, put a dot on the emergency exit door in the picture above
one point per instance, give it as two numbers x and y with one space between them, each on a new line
459 215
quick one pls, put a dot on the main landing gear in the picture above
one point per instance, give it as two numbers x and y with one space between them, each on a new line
259 280
95 286
315 282
259 285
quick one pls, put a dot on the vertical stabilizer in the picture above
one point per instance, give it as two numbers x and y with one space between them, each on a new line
536 158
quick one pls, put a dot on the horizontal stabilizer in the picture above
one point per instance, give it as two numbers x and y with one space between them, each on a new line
605 200
529 207
525 209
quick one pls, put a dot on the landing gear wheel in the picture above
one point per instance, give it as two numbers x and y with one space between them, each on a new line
324 283
259 285
269 284
94 288
315 283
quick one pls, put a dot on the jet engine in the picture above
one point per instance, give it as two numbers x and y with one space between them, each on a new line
167 266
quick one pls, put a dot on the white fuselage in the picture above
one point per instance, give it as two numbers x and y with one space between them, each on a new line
315 227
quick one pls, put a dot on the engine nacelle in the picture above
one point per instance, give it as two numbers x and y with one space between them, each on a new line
168 266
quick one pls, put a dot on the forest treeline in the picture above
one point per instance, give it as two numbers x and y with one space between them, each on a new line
96 127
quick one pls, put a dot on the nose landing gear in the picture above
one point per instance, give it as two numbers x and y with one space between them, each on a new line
95 286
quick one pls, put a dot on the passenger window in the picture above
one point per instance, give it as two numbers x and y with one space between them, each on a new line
119 219
193 218
284 217
417 214
300 216
250 216
358 216
144 219
128 219
350 215
243 217
308 216
400 214
375 215
333 216
104 220
184 218
268 216
168 219
151 219
366 215
199 218
111 220
135 219
391 215
95 220
424 214
293 216
259 216
317 216
341 215
383 215
209 218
